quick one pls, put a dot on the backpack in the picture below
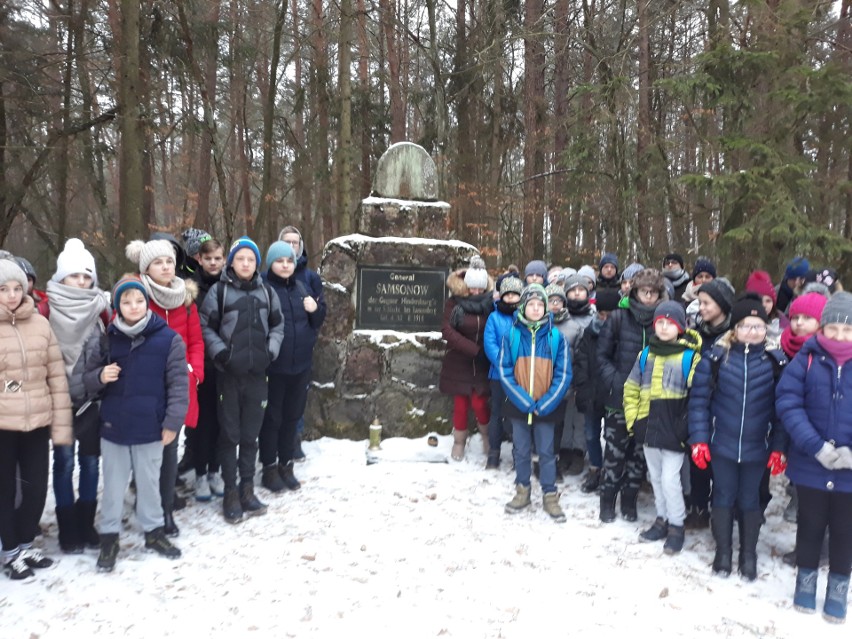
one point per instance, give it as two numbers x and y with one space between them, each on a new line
515 341
685 361
220 298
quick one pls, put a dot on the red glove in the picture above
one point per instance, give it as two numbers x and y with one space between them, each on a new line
777 463
701 455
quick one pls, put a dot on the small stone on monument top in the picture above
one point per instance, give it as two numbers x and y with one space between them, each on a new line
406 171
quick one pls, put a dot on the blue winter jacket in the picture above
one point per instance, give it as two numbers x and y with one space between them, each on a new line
497 325
814 402
537 393
152 389
735 415
300 327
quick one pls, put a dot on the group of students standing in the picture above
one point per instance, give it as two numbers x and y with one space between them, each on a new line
703 392
198 336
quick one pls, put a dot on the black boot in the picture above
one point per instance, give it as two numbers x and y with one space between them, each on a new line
271 479
722 525
608 498
69 531
287 476
157 541
231 508
628 503
750 524
109 552
251 505
86 521
169 526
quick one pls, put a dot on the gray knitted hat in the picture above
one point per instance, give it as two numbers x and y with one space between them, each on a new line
838 310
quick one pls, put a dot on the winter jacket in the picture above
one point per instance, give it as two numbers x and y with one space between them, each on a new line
204 283
814 402
152 390
735 414
656 398
246 336
300 327
30 360
572 328
534 377
621 339
464 369
185 322
313 287
498 324
591 393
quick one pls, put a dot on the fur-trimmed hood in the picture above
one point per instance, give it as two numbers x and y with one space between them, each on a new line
191 292
457 287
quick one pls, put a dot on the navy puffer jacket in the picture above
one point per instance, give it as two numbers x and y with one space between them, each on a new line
814 402
300 327
735 415
621 339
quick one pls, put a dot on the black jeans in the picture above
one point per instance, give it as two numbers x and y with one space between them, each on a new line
819 509
168 475
288 395
242 403
29 451
204 450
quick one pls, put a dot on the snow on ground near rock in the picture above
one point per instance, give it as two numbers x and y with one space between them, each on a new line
410 549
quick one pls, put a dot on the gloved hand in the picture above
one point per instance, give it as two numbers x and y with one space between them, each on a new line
777 462
845 460
222 357
701 455
827 455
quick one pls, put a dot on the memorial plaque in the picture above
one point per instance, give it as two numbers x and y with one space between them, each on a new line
400 298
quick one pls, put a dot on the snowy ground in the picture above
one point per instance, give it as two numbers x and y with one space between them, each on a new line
410 549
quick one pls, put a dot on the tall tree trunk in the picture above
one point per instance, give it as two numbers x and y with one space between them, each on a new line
364 100
534 123
389 22
210 53
320 89
344 151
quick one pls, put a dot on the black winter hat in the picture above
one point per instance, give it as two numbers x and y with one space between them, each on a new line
703 265
673 256
747 305
721 292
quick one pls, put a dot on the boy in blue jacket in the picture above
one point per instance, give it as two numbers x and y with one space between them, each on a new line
535 372
140 374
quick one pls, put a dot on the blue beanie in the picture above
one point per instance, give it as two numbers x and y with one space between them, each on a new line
536 267
703 265
243 242
278 250
122 286
608 258
797 267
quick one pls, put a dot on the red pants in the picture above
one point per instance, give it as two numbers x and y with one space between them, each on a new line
481 410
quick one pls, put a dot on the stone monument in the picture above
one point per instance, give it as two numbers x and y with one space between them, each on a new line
379 353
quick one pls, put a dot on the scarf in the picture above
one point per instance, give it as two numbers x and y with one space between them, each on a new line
474 304
791 343
677 276
840 352
579 307
73 311
560 316
506 309
136 329
659 347
642 313
167 297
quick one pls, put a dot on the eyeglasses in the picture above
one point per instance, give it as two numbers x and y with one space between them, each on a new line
751 328
648 292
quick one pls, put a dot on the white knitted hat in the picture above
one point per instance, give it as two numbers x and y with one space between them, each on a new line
143 253
74 258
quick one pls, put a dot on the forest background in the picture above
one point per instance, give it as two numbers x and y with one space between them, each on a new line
560 128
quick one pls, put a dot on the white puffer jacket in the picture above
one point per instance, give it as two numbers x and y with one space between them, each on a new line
30 358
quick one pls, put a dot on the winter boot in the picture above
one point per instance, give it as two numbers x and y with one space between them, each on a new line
521 499
70 541
86 511
231 507
483 431
697 518
34 558
674 541
722 525
493 462
550 502
628 503
271 479
592 481
576 461
217 486
251 505
285 471
202 488
169 526
109 552
658 530
804 599
750 524
459 440
608 497
298 453
17 569
836 595
157 541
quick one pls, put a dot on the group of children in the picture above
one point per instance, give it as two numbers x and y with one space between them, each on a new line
702 392
197 337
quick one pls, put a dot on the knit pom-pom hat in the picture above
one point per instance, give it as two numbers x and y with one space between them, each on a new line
143 253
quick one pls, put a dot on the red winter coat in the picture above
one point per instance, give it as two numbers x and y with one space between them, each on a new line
185 322
465 366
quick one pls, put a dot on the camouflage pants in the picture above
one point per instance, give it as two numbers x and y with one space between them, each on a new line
624 460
